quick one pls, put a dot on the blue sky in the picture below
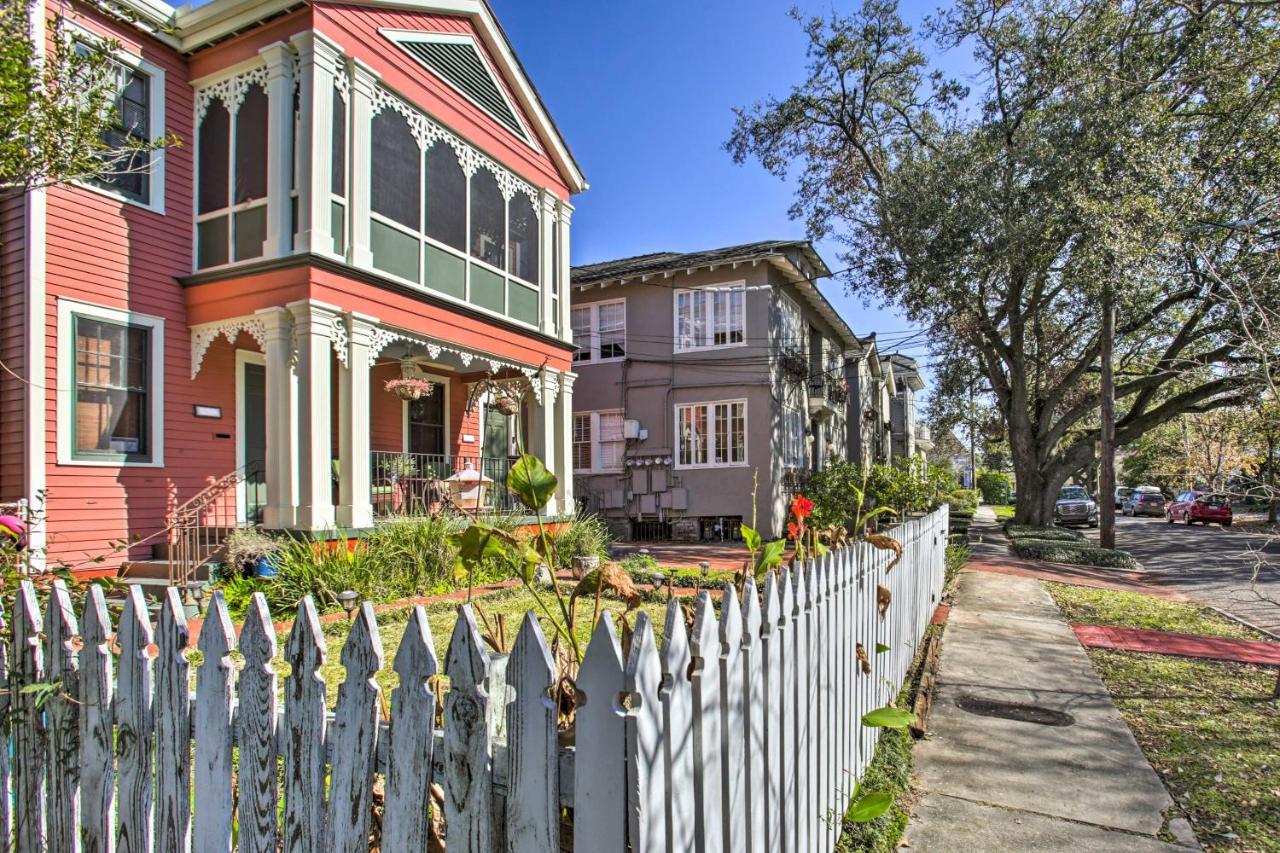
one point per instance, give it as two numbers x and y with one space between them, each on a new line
644 94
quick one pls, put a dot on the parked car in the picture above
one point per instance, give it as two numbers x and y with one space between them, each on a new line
1142 501
1075 506
1190 507
1122 494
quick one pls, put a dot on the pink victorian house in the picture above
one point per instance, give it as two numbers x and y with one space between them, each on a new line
364 191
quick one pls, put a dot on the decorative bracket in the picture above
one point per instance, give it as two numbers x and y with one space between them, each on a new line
202 337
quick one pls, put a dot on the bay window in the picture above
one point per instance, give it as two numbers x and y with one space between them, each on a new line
711 317
231 190
711 434
598 442
599 331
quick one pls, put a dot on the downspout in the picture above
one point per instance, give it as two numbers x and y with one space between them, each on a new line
35 216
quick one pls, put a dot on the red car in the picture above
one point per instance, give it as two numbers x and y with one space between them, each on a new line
1190 507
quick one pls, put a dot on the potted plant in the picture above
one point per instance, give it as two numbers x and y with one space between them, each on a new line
505 404
253 552
409 389
794 365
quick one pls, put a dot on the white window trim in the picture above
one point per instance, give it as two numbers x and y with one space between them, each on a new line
68 309
711 434
155 119
594 331
790 307
705 291
596 468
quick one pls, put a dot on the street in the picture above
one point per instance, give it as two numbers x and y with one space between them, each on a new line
1208 564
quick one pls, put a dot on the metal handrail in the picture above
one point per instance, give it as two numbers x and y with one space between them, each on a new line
196 528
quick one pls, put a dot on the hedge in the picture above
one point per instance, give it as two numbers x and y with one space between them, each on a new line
1057 534
1075 553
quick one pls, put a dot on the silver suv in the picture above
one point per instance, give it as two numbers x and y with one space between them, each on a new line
1074 506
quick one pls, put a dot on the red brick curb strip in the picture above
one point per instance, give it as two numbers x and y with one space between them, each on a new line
1181 645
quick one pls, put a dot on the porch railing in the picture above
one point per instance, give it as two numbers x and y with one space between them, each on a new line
424 483
197 529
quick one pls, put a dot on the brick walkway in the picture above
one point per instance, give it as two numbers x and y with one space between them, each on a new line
723 556
1117 579
1181 645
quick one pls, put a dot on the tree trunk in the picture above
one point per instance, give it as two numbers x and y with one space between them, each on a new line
1273 500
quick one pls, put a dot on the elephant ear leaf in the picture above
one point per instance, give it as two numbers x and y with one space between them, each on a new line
770 555
531 481
751 538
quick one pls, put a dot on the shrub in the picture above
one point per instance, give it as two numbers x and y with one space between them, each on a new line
587 536
1075 553
963 500
995 487
833 496
1026 531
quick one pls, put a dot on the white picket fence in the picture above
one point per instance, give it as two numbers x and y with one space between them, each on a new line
743 736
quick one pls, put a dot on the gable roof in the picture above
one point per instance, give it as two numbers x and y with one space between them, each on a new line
797 259
188 30
905 367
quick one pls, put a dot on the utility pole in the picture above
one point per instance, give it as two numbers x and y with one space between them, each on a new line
1107 470
973 452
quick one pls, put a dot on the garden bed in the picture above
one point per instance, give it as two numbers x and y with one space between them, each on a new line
1074 553
1025 531
1207 727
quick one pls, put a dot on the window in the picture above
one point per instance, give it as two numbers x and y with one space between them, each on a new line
710 434
231 203
598 442
130 124
599 331
793 423
711 317
112 413
488 219
338 175
446 198
394 182
522 250
791 327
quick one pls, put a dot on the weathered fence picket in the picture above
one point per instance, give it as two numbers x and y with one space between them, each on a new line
740 736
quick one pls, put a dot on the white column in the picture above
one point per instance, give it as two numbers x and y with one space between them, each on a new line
281 416
364 80
279 151
547 257
542 429
355 504
319 62
314 340
566 288
564 443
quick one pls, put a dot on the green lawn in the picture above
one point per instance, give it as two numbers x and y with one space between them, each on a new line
1003 512
1208 728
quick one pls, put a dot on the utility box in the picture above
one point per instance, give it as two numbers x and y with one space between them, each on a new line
631 429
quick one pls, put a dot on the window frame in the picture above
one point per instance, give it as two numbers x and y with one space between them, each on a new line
469 260
233 207
155 121
68 312
710 406
593 331
595 442
705 294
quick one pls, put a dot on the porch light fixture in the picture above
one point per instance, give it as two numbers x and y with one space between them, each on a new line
349 598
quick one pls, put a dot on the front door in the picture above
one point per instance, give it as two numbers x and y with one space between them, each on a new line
496 448
253 440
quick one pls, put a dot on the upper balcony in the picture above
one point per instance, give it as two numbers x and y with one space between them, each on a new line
306 151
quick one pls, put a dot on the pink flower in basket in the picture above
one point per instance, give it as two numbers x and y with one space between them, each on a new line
409 389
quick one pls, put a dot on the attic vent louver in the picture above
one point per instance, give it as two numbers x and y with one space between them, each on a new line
457 61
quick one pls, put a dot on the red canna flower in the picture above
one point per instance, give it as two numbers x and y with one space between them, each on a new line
801 507
793 531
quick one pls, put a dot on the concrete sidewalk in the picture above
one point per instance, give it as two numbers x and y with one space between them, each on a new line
1064 773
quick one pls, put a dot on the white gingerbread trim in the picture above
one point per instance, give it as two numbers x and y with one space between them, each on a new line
339 338
230 90
381 337
427 132
203 336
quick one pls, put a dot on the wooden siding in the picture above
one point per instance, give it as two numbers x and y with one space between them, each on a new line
355 29
12 335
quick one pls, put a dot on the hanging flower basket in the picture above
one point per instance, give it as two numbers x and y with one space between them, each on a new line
838 391
409 389
505 404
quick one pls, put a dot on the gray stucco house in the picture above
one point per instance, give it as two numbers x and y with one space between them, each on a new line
909 437
701 374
